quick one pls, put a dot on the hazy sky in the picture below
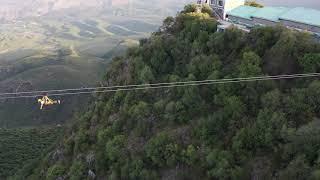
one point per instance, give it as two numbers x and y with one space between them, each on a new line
303 3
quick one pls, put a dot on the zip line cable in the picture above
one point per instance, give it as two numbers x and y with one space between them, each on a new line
292 76
167 85
156 86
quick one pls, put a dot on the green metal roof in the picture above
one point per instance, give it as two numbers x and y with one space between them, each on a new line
299 14
270 13
243 12
302 15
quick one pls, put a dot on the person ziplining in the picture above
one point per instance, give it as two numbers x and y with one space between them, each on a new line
46 101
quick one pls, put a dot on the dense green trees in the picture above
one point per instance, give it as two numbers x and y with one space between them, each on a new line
250 65
310 62
221 131
162 151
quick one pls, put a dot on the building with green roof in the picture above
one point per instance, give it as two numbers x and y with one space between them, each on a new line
270 13
245 12
302 15
296 18
242 15
235 12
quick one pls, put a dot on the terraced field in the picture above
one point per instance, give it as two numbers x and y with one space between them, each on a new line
70 50
23 146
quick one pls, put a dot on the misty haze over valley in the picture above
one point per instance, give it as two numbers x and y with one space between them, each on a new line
13 9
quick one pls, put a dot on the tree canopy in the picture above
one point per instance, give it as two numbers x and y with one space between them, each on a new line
267 129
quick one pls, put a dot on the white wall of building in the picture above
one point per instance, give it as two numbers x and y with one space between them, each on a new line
223 6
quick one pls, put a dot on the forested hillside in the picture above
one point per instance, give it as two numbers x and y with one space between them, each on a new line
253 130
60 44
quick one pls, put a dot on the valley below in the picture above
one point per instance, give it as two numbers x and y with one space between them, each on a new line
64 49
57 44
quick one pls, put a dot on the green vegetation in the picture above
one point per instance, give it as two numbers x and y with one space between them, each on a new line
19 147
44 53
253 3
260 130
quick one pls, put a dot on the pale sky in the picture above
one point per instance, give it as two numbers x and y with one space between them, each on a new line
292 3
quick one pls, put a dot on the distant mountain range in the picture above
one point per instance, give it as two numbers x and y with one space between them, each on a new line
14 9
17 9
